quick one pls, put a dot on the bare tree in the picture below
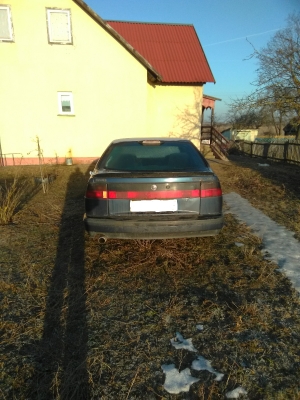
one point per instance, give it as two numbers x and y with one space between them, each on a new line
240 118
278 77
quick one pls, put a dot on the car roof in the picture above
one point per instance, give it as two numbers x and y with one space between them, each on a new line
165 139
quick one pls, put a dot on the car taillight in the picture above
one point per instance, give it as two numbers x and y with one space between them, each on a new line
216 192
210 189
96 191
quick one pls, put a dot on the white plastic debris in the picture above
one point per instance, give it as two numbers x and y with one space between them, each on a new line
177 382
200 327
202 364
180 343
263 165
234 394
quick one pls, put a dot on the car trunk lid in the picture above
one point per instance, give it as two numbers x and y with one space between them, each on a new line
141 196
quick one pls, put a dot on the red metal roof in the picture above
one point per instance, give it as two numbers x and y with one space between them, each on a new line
173 50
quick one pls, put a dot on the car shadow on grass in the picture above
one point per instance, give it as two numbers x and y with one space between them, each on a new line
60 365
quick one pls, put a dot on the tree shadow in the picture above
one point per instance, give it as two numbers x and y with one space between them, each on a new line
285 175
60 369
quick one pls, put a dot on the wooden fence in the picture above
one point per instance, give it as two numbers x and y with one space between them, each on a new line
286 152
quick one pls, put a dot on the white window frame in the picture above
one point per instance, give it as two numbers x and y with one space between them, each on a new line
49 27
9 23
59 103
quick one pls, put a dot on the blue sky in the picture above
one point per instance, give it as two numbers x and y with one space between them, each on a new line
222 26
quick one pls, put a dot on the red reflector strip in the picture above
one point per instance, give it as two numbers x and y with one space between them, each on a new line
173 194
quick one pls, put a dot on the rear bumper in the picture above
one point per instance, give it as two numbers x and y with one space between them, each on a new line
129 229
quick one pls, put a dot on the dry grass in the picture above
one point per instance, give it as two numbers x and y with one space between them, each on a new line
12 193
275 189
84 321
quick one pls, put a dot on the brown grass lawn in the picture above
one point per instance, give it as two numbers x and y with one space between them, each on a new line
81 320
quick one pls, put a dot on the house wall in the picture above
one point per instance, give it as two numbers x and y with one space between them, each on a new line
166 107
246 134
109 87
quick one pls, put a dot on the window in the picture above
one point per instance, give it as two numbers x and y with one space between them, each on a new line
6 29
59 26
65 103
169 155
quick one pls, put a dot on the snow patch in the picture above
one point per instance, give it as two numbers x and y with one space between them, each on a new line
176 381
201 364
279 243
234 394
180 343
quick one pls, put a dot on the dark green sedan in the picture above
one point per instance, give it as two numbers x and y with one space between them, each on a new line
153 188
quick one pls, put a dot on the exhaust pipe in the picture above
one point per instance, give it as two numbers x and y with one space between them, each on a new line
102 239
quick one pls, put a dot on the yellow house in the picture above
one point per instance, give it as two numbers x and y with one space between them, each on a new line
72 82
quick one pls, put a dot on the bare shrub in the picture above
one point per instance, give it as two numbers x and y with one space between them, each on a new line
11 196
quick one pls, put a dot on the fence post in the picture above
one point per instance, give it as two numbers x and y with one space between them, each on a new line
285 151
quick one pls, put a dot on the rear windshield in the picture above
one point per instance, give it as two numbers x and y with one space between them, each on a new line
165 156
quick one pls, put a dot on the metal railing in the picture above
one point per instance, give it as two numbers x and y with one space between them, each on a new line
13 156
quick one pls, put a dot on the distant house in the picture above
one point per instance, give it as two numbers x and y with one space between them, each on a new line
240 134
77 82
291 129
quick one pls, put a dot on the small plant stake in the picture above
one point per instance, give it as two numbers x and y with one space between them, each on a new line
41 164
44 181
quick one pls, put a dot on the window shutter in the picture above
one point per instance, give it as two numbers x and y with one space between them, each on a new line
4 24
60 30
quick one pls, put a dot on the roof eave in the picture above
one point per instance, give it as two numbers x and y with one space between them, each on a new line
119 38
181 83
214 81
211 97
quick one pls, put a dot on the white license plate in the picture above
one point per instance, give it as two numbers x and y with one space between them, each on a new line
153 205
